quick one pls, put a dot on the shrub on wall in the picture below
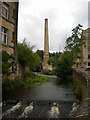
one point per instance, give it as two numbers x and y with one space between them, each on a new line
6 62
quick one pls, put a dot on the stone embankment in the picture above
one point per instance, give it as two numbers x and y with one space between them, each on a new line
81 82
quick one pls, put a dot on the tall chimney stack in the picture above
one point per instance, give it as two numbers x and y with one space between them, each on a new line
46 41
46 46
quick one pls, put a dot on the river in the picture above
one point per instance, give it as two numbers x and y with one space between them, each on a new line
44 97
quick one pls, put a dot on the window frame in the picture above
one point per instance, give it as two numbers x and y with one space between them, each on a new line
4 6
4 36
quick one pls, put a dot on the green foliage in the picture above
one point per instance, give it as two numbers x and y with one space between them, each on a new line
32 79
52 61
37 63
64 66
29 80
75 41
55 54
46 71
11 84
37 81
72 50
30 75
49 72
26 56
6 64
40 53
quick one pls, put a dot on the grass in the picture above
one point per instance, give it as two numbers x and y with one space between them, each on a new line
36 81
29 80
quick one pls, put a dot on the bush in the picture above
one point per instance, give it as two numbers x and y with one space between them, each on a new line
6 64
32 79
11 84
26 57
49 72
30 74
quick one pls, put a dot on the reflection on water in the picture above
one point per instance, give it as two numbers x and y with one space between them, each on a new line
52 90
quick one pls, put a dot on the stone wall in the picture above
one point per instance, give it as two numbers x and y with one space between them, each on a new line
10 23
81 82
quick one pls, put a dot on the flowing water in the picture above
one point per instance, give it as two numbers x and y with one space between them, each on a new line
49 100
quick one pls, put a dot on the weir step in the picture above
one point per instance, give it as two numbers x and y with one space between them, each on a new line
36 109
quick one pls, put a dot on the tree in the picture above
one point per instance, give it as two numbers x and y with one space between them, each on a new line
72 51
54 58
40 53
76 41
26 56
55 54
52 61
37 63
64 66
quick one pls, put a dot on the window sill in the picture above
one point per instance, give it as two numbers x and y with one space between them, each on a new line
8 20
4 17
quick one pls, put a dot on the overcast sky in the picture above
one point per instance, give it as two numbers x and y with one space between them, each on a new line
63 16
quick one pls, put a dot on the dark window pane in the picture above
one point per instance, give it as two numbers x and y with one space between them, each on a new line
88 63
89 56
13 36
5 30
5 38
4 34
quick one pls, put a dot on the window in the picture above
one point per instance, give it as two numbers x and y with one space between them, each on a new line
14 13
88 63
5 11
12 36
4 34
88 56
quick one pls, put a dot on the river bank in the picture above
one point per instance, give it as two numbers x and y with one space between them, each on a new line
28 80
51 90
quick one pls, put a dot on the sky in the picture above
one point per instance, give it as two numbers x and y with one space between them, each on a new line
62 15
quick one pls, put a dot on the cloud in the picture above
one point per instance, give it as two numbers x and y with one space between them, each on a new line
62 17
